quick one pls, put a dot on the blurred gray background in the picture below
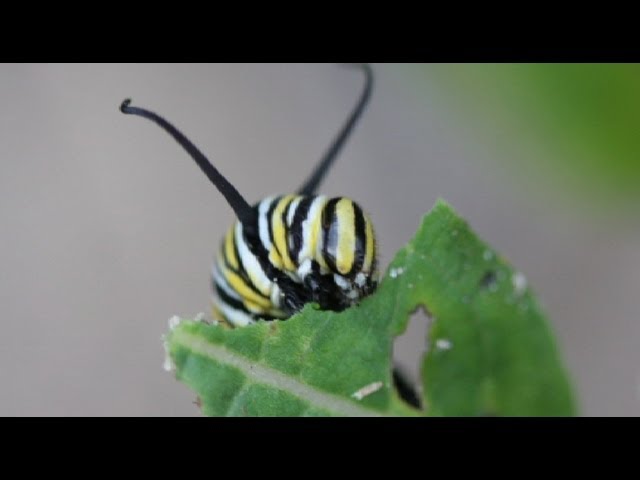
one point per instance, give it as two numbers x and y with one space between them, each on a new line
108 228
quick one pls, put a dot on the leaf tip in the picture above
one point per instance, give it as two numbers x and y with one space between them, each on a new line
441 203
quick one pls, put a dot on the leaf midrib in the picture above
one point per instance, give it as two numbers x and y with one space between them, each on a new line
262 374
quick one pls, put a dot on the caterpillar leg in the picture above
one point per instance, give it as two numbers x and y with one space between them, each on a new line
406 388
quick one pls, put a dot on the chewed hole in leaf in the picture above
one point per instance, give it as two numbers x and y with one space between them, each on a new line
409 349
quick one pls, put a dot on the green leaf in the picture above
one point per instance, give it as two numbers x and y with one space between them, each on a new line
490 351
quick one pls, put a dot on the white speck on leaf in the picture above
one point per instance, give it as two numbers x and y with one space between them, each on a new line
168 364
396 272
519 282
367 390
454 233
174 322
487 255
443 344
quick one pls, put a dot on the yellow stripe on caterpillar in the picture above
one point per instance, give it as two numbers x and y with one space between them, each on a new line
346 246
370 244
280 232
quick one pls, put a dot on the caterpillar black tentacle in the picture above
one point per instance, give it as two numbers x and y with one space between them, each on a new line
288 250
317 176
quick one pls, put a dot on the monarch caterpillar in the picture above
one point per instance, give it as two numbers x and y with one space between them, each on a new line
288 250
